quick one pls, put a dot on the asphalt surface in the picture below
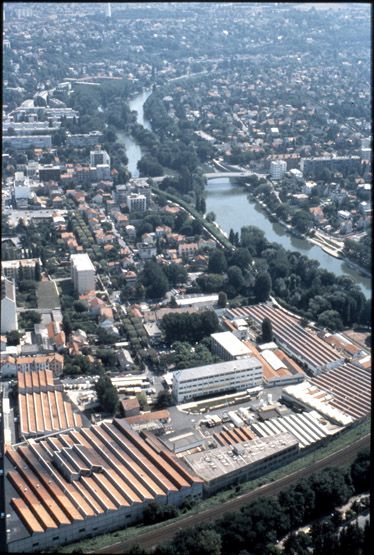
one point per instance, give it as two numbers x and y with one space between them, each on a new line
165 533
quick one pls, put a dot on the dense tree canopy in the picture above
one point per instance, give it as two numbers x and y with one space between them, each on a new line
189 327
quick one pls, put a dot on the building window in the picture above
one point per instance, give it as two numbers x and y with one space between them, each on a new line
82 530
55 538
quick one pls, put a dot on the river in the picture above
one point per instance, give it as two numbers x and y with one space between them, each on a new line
234 209
133 149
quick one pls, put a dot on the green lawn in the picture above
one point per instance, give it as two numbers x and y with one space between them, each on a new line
47 295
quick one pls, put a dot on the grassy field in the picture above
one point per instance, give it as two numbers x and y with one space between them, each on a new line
344 439
47 295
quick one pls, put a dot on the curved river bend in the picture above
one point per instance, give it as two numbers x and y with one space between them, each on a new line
234 209
133 149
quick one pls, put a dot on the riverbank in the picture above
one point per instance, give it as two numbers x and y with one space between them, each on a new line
236 206
357 267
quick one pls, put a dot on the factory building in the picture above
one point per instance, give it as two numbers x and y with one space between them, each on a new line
76 484
306 428
235 375
228 347
41 405
224 466
307 348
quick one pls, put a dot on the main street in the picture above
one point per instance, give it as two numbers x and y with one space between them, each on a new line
166 532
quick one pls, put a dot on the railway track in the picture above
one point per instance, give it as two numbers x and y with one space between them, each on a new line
165 533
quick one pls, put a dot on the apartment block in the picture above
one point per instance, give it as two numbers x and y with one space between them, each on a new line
82 273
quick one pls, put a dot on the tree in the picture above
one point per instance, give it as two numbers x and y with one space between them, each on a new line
360 472
217 262
154 512
189 327
267 330
142 399
302 221
297 544
176 274
13 338
38 275
29 318
67 325
210 217
154 280
331 320
254 239
235 277
107 394
197 541
80 306
210 283
222 299
262 286
163 400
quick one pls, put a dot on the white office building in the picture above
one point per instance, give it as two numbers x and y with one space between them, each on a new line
277 169
99 157
82 273
228 347
216 379
9 320
136 202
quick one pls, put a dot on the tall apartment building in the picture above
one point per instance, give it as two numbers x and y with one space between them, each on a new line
228 347
20 269
9 321
136 202
82 273
98 157
277 169
234 375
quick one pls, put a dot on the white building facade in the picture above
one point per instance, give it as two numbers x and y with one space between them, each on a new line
219 378
136 202
277 169
228 347
9 321
82 273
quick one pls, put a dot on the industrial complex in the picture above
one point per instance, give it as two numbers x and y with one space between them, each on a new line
69 477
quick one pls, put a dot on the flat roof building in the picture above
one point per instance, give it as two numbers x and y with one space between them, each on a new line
227 346
235 375
223 466
82 273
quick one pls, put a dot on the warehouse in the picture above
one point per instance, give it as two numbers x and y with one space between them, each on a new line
77 484
350 386
224 466
41 405
305 347
309 396
306 428
235 375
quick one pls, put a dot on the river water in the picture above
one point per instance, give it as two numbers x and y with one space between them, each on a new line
133 149
234 209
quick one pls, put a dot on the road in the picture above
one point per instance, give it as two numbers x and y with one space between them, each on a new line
165 533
